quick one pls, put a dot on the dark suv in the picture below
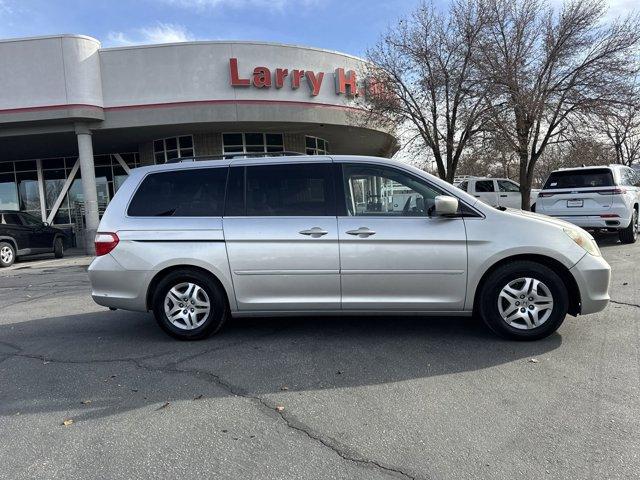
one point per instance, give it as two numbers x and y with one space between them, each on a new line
22 234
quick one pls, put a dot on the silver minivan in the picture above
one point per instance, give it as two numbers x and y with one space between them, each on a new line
201 241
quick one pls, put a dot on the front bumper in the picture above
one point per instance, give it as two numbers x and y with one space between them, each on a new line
592 274
114 287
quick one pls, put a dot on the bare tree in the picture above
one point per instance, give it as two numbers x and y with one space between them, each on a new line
550 71
621 124
422 75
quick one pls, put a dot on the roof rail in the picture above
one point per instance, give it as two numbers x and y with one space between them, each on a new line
223 156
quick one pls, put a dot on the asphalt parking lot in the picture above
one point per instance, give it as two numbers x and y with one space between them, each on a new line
312 398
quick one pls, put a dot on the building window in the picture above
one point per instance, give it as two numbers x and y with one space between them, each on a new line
19 189
166 149
252 142
316 146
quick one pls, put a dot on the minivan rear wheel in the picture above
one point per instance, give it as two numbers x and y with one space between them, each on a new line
189 305
523 300
630 234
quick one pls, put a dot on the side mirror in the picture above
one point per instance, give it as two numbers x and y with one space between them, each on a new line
446 205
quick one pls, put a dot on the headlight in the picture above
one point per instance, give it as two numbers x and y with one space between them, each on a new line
583 239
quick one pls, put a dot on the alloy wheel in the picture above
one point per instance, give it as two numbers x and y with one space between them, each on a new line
525 303
187 306
6 254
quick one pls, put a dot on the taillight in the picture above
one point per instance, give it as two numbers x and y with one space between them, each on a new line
105 243
612 191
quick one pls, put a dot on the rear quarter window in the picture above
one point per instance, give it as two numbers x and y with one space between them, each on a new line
185 193
580 179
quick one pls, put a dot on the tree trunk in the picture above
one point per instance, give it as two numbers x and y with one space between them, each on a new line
525 184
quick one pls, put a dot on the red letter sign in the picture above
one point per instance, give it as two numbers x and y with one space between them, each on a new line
262 77
295 79
314 82
343 81
280 74
236 81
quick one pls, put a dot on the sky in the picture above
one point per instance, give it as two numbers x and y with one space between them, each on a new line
350 26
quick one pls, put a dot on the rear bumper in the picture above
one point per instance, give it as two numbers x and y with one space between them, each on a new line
113 286
592 274
595 221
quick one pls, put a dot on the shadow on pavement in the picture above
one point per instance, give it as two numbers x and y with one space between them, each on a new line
122 361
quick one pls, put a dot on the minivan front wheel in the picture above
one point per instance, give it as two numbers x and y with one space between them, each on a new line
189 305
523 300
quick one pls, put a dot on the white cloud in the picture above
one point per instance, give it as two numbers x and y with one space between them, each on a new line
159 33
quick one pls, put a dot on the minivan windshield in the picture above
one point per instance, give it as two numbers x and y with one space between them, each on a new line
593 177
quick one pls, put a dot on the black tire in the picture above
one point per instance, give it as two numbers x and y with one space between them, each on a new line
58 248
212 323
630 234
7 254
511 272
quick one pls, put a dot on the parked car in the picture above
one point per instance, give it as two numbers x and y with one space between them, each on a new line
22 235
594 198
497 192
201 241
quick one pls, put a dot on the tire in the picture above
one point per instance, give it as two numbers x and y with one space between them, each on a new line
630 234
58 248
7 254
513 276
192 325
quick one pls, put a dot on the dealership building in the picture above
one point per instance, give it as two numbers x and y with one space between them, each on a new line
75 118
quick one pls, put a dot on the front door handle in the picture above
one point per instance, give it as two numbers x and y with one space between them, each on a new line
315 232
362 232
503 196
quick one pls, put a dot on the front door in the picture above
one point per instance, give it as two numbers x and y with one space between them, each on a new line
281 237
393 255
509 194
485 190
41 237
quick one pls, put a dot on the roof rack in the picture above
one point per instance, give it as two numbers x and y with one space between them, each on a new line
223 156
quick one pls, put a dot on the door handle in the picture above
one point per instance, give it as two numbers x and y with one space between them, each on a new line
315 232
362 232
477 196
503 196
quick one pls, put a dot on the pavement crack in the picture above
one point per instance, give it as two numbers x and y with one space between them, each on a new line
625 303
263 404
288 420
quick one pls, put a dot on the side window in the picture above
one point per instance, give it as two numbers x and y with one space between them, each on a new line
483 186
11 219
30 220
182 193
379 191
507 186
290 190
463 186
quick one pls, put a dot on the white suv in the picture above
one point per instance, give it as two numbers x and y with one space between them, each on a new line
594 197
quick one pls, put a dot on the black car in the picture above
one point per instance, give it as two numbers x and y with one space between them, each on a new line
22 234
